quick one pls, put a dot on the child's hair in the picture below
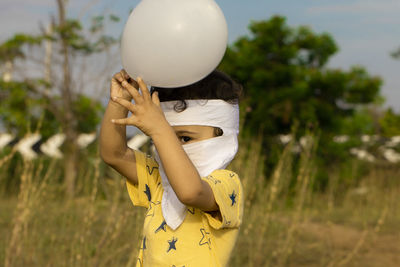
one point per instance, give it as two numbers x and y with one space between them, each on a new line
217 85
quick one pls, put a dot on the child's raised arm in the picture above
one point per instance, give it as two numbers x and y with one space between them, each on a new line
183 176
113 147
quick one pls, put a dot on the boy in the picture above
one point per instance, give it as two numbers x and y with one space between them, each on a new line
194 206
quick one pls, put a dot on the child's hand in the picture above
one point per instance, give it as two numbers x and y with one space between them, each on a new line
116 90
147 114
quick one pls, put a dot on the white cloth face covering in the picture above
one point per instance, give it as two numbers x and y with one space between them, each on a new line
206 155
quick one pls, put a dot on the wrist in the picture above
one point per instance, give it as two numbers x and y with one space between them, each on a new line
163 130
117 105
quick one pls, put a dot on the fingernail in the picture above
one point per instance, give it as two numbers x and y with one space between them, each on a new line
113 121
114 98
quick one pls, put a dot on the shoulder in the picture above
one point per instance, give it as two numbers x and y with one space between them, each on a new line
226 179
228 194
225 175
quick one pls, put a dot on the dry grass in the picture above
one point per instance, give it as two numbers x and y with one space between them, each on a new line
282 227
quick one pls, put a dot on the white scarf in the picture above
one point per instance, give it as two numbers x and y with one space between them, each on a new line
206 155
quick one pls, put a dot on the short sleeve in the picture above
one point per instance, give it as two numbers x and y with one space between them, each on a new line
228 194
148 179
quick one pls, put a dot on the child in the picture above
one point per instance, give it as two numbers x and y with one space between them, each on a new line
194 205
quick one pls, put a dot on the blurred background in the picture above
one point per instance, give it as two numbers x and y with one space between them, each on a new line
319 151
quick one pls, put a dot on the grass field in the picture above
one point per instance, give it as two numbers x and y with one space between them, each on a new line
283 225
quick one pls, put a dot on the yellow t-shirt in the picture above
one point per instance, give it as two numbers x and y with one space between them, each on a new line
201 240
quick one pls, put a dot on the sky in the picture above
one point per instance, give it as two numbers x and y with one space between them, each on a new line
366 31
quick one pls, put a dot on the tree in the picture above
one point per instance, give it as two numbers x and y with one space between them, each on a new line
53 99
396 54
390 123
285 79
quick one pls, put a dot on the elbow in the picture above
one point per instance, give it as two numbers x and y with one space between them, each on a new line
104 156
107 157
190 197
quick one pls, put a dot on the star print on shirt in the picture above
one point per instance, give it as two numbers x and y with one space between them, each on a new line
152 169
214 180
233 198
147 192
150 211
171 244
205 238
227 223
191 210
232 175
163 227
144 243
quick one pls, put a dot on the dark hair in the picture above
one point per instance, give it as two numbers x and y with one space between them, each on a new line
217 85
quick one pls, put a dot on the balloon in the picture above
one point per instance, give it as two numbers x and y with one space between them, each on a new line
173 43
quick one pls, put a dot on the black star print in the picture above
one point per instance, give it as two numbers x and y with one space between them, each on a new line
191 211
233 198
144 243
172 244
205 239
214 180
152 169
147 192
232 174
163 227
227 223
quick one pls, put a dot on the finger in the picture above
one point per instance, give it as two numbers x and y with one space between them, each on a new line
155 98
144 89
129 79
125 103
115 82
137 97
125 121
118 77
126 76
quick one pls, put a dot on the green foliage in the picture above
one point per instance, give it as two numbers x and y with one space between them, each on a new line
18 106
396 54
73 32
390 123
282 70
12 48
88 113
360 123
285 79
21 110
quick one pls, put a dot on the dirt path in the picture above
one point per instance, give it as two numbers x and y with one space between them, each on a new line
347 246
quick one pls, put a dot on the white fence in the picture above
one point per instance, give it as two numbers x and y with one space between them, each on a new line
31 146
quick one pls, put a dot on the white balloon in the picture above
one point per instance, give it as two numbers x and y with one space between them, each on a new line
173 43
